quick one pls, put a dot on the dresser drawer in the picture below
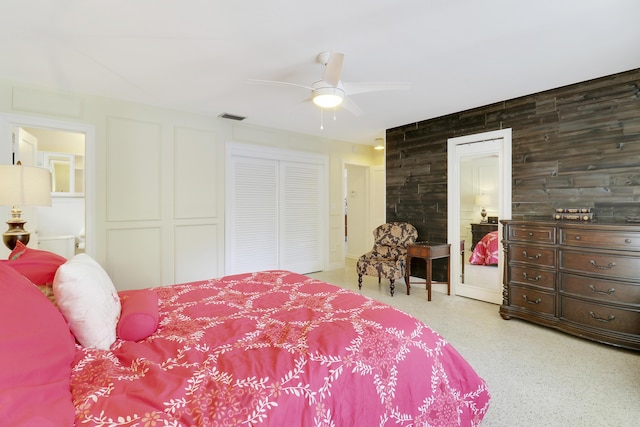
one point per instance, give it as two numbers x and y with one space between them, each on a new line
600 239
600 289
611 265
533 255
600 316
531 276
530 299
529 233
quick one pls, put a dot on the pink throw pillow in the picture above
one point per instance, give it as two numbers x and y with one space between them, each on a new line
36 353
139 316
38 266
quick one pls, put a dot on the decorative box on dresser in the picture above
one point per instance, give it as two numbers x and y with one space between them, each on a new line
578 277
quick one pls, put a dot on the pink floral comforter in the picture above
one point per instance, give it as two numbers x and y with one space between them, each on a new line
276 348
486 251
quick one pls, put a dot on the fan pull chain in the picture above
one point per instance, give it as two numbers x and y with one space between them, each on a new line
321 121
334 114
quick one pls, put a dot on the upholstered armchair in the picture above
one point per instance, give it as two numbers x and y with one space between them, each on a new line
387 259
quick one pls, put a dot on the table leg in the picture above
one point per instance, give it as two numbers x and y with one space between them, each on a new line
408 275
449 275
429 265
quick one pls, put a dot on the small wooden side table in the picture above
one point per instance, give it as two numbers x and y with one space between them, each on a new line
428 251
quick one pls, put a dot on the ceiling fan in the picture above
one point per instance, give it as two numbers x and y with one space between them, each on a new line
331 92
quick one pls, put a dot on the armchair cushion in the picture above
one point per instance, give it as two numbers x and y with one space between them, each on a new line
387 258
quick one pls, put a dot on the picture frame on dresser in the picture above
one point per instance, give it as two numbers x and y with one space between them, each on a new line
578 277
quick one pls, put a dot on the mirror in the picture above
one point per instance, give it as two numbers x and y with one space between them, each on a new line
472 171
478 191
62 167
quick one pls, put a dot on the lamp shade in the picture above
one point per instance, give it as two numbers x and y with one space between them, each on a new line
482 200
24 186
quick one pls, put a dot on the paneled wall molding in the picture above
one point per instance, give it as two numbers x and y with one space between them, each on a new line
133 169
195 160
33 100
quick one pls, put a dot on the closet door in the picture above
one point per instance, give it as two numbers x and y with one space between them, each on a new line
301 217
275 212
253 220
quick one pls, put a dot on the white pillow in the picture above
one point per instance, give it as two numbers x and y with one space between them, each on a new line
88 300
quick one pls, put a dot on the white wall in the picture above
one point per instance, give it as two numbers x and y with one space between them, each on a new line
158 215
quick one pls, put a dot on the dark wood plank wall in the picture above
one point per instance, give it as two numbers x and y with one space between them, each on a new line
573 146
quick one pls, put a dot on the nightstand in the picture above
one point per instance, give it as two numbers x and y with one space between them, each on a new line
428 251
478 231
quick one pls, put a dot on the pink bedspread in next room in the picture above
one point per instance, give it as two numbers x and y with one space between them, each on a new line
277 349
486 251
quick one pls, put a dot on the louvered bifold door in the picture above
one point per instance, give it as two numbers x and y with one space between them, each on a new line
301 217
253 223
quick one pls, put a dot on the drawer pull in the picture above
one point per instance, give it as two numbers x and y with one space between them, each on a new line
530 234
601 319
602 267
577 237
595 291
529 301
532 279
627 240
537 256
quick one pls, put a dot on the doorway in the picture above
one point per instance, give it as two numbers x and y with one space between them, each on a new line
356 218
488 156
83 183
364 206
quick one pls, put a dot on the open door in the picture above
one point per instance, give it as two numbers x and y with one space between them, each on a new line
26 152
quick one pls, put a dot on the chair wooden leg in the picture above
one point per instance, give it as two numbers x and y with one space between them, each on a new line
392 286
359 281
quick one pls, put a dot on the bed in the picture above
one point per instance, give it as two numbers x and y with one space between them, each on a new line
486 251
270 348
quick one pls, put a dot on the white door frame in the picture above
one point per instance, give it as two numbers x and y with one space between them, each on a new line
456 149
8 121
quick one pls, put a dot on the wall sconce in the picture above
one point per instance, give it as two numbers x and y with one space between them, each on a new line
379 144
22 186
483 200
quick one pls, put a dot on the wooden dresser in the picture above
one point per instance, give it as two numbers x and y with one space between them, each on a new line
580 278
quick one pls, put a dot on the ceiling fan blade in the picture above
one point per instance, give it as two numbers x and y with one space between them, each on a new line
349 105
362 87
272 82
333 68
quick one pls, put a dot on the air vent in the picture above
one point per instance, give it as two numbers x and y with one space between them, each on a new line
231 117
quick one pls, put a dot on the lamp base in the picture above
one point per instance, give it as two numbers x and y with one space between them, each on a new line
15 233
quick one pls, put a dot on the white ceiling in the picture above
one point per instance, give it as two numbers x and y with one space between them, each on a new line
198 55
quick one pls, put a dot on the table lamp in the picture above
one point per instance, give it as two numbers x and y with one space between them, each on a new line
482 200
22 186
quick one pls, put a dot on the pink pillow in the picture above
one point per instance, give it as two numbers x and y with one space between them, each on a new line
139 316
38 266
36 353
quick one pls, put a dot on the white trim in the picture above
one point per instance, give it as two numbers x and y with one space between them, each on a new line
466 146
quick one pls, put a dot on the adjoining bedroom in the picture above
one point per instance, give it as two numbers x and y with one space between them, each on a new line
273 214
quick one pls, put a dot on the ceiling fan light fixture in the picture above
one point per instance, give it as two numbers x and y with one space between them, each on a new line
328 97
